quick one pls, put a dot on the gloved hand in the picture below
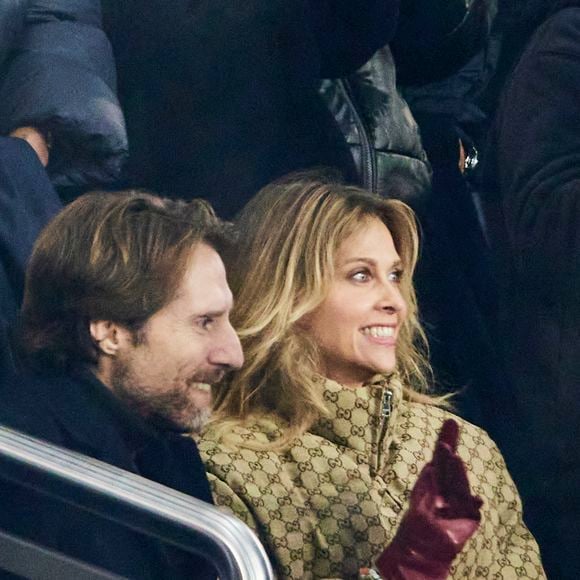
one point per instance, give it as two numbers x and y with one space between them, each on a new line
441 517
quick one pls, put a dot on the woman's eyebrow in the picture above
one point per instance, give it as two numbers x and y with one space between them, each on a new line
396 264
366 260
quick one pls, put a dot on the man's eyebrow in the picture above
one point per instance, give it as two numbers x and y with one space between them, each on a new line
210 313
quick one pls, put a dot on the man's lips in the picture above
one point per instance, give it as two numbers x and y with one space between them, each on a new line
204 381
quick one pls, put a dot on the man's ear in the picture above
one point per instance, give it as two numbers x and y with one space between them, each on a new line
107 336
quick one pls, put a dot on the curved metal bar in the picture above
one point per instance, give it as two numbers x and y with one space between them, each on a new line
135 502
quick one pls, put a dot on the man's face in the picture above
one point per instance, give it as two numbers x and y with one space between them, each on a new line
185 347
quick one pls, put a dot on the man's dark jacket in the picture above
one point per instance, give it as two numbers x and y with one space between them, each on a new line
79 413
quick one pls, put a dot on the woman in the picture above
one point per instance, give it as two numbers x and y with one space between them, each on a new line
318 441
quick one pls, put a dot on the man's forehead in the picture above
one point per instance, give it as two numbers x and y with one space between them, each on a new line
204 282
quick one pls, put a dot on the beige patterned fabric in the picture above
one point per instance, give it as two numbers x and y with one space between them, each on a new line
331 502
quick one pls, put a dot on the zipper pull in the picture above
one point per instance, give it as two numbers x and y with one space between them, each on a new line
387 403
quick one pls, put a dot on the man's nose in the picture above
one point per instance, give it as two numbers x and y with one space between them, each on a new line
228 350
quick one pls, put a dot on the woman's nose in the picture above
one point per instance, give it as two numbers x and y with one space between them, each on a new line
392 300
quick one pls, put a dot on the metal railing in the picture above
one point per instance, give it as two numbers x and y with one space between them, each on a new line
132 501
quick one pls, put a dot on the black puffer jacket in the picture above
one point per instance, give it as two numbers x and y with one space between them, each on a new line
378 126
57 73
434 39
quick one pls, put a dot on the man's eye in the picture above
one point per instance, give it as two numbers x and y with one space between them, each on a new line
361 276
395 276
205 322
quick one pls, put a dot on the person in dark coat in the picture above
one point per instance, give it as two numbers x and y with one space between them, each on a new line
57 74
219 97
27 203
124 327
532 185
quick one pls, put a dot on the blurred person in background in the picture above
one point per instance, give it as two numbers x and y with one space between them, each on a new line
219 97
530 185
27 203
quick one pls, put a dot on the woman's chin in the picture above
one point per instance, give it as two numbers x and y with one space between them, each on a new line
382 364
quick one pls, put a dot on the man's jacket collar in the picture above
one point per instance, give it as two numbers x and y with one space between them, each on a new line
92 414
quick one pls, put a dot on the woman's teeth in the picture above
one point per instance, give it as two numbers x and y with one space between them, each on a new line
379 331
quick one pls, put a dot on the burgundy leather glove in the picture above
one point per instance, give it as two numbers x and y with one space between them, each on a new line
441 517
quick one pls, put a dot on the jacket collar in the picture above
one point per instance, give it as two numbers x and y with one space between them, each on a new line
362 419
94 422
93 416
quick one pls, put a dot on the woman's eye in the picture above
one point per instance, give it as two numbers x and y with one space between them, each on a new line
361 276
395 276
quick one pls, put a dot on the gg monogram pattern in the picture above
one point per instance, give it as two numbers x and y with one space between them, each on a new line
332 501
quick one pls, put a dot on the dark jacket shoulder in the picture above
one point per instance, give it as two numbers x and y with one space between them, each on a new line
81 414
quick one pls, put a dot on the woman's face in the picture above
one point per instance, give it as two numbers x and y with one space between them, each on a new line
358 323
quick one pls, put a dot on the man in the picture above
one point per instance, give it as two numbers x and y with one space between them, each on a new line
125 323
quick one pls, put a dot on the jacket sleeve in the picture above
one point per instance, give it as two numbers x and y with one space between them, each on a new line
242 484
227 499
518 553
537 153
11 25
290 559
61 78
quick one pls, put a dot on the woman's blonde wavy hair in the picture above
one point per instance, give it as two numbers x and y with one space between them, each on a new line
281 270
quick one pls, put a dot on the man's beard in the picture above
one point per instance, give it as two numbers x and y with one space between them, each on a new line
172 409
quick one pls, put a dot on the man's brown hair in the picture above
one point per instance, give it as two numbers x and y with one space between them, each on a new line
116 256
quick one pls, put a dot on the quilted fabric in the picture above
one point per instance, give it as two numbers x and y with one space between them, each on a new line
333 500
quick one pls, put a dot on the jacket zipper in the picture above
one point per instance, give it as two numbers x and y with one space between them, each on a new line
386 411
387 407
368 169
